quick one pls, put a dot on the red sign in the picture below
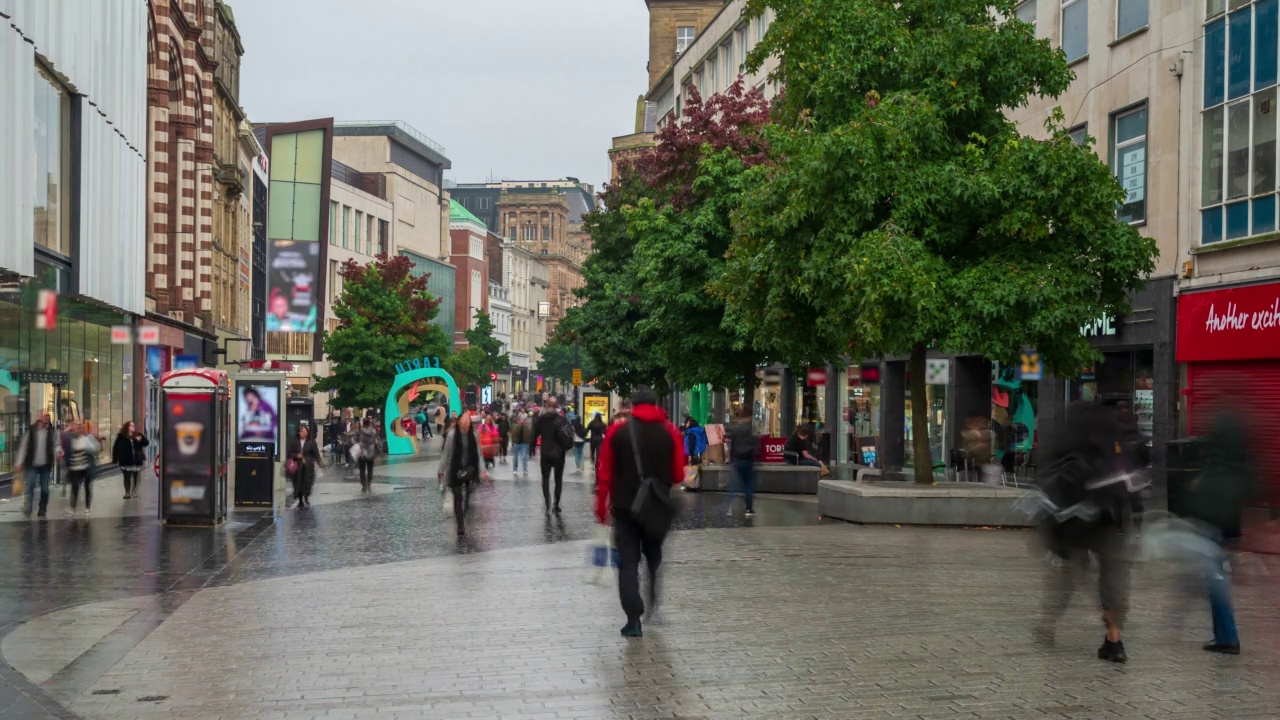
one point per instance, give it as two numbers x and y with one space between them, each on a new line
1234 324
817 377
770 449
121 335
148 334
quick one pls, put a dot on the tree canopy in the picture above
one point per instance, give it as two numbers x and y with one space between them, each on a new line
384 316
910 214
483 355
556 361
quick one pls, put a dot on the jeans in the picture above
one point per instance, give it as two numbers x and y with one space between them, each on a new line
522 457
809 462
78 478
746 470
550 464
37 476
1217 574
577 455
633 541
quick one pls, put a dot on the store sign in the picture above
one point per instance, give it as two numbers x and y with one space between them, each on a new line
817 377
937 371
1233 324
121 334
148 334
1103 326
771 449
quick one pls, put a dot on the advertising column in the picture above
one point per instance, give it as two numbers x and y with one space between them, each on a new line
257 440
188 458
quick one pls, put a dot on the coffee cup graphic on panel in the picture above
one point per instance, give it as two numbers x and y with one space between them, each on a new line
189 437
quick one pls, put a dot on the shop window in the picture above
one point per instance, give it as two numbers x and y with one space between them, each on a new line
1131 16
1129 162
1075 29
52 110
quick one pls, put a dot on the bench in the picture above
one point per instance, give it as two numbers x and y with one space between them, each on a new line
770 478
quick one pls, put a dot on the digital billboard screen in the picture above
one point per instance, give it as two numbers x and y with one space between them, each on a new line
292 273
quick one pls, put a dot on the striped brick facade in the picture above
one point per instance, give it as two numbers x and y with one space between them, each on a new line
180 168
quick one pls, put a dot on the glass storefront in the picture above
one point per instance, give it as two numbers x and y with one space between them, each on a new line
1124 377
766 413
936 396
811 404
860 405
73 372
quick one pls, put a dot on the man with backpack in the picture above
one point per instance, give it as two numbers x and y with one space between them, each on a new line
556 436
640 461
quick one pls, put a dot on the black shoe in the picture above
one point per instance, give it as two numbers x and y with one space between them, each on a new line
632 629
1224 648
556 509
461 532
40 514
1112 651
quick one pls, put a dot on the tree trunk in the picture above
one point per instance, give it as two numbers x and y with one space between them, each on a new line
922 458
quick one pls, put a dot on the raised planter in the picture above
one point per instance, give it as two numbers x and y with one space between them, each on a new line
770 478
906 503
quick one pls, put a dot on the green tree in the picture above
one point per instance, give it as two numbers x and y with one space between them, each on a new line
384 315
557 360
483 355
910 214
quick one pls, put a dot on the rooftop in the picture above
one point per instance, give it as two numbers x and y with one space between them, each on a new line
459 214
399 130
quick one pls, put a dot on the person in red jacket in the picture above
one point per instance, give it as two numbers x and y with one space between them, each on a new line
662 458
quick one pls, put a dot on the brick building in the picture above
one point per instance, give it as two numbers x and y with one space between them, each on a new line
468 254
180 176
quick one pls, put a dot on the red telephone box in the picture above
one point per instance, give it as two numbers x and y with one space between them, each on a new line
195 446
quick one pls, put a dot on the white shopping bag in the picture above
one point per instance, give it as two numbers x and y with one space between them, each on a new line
448 502
355 452
601 556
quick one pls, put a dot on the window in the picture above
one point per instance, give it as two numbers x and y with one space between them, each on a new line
384 242
1079 134
1026 12
333 222
333 280
359 228
546 233
1131 16
368 235
741 37
1238 162
1129 162
684 38
52 109
762 24
1075 29
346 224
711 76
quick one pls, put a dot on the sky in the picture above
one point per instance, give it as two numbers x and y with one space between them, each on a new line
518 89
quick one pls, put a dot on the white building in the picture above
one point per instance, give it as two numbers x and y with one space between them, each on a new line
500 314
528 280
73 202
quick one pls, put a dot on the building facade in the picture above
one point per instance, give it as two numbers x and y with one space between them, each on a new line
528 280
673 25
73 147
413 166
234 151
500 313
181 179
546 218
467 235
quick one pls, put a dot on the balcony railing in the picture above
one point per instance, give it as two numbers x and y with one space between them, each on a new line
373 183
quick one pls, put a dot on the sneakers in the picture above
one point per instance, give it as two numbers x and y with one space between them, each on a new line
1112 651
750 513
1223 648
632 630
70 512
40 514
86 512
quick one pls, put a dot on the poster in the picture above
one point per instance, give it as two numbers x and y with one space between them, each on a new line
257 413
293 268
187 453
592 404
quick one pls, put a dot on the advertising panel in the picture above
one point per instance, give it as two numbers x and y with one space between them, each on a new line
292 270
771 449
592 404
1240 323
188 453
257 411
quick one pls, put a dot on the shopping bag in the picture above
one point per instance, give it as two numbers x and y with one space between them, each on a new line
19 484
692 477
356 452
448 502
601 556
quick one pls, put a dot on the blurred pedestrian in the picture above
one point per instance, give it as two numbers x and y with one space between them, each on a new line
552 431
129 453
82 461
38 453
367 439
1086 511
459 468
521 438
640 461
305 454
596 430
579 442
489 439
742 451
504 437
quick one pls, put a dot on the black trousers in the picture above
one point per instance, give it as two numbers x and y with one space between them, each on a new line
633 541
461 502
366 471
548 464
78 478
130 481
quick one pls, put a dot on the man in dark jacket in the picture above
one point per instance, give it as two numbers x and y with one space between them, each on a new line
661 458
38 453
552 430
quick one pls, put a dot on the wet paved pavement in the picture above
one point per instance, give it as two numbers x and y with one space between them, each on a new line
370 607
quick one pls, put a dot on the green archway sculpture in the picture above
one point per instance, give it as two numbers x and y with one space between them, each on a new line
399 443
